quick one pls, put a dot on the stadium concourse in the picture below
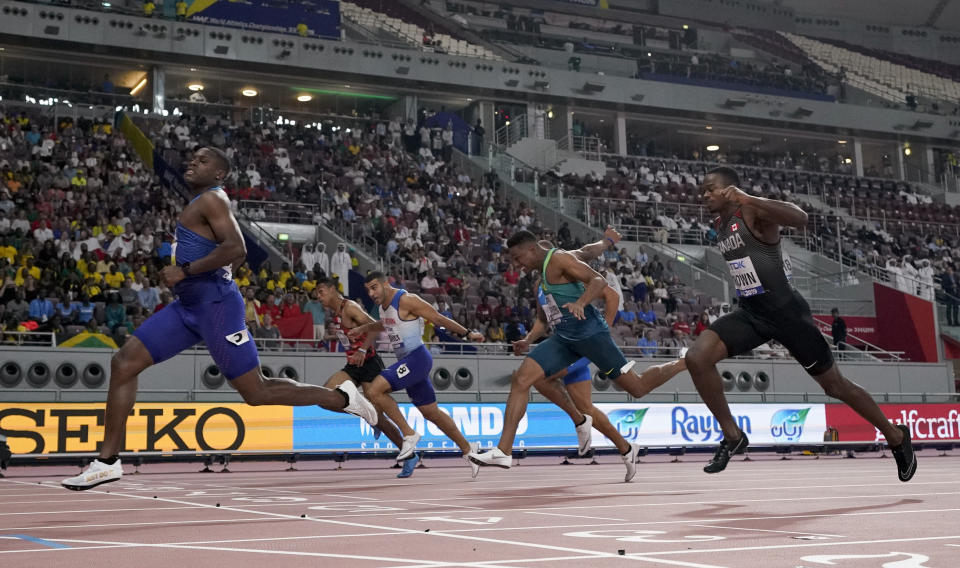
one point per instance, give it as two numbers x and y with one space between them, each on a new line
773 180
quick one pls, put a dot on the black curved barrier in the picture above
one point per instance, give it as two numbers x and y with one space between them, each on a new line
212 378
762 382
38 375
744 381
728 380
463 380
600 382
66 375
93 376
442 379
267 371
289 372
10 374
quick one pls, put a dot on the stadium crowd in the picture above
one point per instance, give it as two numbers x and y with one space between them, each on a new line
85 229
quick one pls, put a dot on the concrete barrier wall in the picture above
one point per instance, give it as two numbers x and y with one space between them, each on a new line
457 378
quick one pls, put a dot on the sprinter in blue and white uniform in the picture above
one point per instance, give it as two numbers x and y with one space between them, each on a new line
401 317
208 308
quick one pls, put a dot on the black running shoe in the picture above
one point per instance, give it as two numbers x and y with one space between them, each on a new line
906 459
722 456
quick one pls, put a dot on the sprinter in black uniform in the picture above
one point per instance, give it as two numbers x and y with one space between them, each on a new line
748 236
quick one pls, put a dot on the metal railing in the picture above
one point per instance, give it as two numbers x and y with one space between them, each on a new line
590 147
29 338
512 132
632 351
279 211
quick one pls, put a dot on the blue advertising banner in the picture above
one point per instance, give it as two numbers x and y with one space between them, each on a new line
322 17
544 425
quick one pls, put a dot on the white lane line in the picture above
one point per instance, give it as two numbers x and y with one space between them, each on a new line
496 563
748 529
576 516
799 545
444 505
433 534
349 497
158 523
99 510
256 550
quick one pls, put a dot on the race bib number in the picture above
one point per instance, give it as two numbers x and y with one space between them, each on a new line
745 277
344 339
552 310
403 371
395 341
787 266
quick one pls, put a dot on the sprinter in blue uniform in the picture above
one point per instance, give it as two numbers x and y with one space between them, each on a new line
208 308
401 317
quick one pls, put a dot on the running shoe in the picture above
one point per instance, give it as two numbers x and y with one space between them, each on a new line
906 459
584 435
630 460
357 404
97 473
409 445
408 466
724 452
494 457
474 468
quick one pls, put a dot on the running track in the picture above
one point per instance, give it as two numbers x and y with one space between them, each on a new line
797 513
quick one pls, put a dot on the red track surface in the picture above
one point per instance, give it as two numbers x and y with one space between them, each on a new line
803 512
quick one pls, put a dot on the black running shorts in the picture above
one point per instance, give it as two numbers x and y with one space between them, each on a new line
366 372
792 325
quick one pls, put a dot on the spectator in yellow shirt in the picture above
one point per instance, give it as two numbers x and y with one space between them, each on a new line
27 270
148 8
303 30
285 274
115 278
78 181
181 8
242 277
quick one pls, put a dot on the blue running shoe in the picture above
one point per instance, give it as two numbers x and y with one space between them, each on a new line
408 466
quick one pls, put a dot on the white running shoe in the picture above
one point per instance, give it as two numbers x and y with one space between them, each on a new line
493 457
584 435
96 473
630 460
357 404
408 447
474 468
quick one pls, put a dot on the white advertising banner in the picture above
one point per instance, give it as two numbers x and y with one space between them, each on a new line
692 424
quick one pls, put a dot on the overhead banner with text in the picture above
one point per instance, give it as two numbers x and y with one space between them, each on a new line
322 17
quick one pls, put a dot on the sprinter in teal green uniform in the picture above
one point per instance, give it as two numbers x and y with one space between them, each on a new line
569 286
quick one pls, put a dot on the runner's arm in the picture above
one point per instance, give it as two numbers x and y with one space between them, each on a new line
611 301
231 249
589 252
359 315
578 271
418 307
